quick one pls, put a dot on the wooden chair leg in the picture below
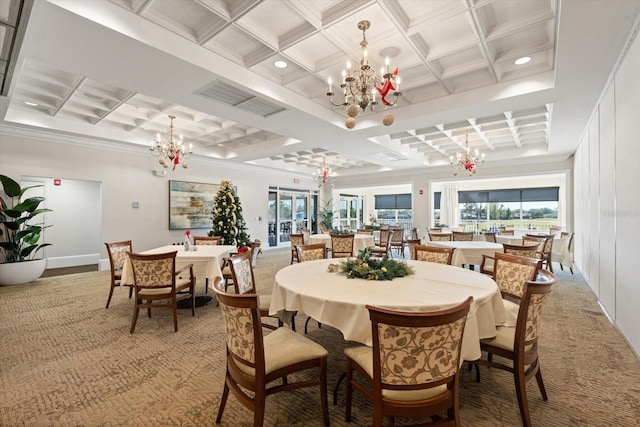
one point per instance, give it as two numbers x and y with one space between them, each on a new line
174 308
110 295
136 310
543 391
348 392
223 402
521 392
323 391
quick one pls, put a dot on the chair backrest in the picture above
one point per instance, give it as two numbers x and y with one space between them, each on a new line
416 350
242 273
530 239
462 236
434 254
296 239
398 236
311 252
435 230
565 234
389 238
414 233
384 233
412 247
529 251
534 297
342 245
153 270
555 229
117 252
243 335
507 232
511 273
440 237
207 240
490 236
255 249
305 235
548 242
368 231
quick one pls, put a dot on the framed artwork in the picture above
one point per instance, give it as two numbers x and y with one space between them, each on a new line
190 204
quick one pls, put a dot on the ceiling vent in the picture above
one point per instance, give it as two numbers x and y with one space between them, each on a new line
390 157
235 97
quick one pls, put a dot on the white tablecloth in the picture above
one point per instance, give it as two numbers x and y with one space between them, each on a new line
559 251
335 300
470 252
206 260
360 241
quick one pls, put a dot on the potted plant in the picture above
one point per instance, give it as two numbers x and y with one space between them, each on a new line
326 213
20 234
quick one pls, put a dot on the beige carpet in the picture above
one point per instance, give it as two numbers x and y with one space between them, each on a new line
66 361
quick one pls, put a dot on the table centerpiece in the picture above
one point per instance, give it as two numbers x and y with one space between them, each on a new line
366 267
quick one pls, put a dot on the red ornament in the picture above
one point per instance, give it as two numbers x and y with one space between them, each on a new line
387 87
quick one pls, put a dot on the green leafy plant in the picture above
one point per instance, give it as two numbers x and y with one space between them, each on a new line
326 213
19 234
365 267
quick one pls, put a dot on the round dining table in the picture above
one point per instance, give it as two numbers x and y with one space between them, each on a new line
333 299
360 241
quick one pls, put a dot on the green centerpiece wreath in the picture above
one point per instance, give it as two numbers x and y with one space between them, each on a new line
365 267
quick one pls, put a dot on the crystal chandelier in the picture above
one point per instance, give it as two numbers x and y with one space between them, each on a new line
323 175
466 160
359 86
170 149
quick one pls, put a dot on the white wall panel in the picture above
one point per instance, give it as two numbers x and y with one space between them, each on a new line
594 204
607 243
627 180
578 226
583 212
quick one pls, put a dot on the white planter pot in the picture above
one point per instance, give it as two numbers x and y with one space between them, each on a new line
17 273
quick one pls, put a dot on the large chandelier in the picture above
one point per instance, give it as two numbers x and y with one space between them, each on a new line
359 86
466 160
324 175
171 149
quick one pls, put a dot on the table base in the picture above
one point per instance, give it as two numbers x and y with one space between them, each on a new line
201 300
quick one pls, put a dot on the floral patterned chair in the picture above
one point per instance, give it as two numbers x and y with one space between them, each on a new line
312 252
530 251
546 248
412 369
462 236
440 237
117 252
511 273
254 360
519 345
207 240
295 240
342 245
384 247
244 282
158 284
411 245
434 254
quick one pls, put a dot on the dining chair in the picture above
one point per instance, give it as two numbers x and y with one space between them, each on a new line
342 245
244 282
384 248
490 236
506 232
568 235
487 263
546 248
305 235
411 245
309 253
414 233
435 230
462 236
255 250
155 279
440 237
207 240
295 240
519 344
511 273
117 252
412 369
397 242
434 254
368 231
255 360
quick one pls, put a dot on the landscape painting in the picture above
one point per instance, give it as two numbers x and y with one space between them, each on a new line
190 204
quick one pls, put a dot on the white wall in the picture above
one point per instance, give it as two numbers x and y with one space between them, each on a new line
607 203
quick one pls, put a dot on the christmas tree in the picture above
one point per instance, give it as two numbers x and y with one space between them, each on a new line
227 218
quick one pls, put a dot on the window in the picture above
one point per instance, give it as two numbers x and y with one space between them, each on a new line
394 209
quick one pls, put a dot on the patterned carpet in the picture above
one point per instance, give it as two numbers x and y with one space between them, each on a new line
66 361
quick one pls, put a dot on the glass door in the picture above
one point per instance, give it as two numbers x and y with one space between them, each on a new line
290 212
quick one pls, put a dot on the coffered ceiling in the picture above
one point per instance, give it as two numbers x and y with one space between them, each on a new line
114 71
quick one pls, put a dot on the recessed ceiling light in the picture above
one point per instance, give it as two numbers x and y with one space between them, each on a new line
32 104
221 145
523 60
280 64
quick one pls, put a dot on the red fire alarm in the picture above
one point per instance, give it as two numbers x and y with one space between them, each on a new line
57 181
420 191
